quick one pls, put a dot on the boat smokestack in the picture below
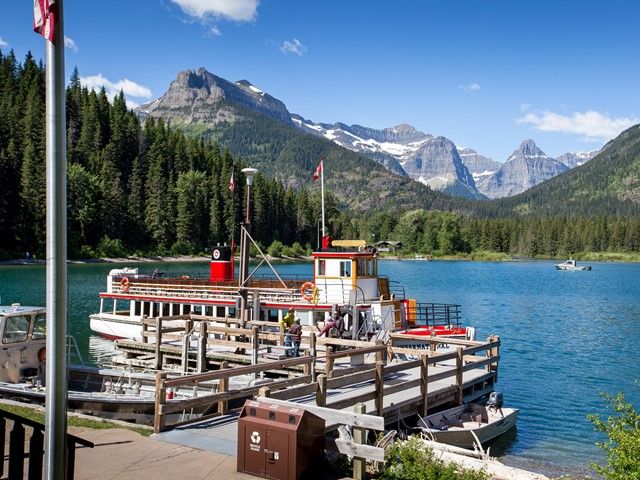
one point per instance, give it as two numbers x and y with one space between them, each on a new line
221 267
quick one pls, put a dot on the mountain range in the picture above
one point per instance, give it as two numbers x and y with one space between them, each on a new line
395 164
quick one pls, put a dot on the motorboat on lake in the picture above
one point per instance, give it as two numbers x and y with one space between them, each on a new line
572 265
466 425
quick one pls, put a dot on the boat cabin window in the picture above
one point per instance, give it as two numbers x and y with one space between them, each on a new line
367 267
39 327
16 329
345 268
322 267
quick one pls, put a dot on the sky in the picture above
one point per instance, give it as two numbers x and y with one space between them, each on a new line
487 74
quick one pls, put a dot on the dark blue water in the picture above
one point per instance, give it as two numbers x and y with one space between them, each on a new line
566 337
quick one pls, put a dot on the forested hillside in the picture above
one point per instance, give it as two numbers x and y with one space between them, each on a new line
131 187
147 188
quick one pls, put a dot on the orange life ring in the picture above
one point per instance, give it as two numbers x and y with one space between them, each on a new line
304 291
42 355
124 284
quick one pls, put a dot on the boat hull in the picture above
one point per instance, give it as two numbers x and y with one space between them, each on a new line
459 433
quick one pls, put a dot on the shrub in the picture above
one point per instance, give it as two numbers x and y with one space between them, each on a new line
412 460
182 247
111 248
297 250
275 249
623 443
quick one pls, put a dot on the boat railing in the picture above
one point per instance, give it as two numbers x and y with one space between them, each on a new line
433 314
17 442
73 351
397 290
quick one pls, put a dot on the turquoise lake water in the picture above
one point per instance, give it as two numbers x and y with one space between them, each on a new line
566 336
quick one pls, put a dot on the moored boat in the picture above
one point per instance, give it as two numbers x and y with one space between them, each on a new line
106 392
345 278
466 425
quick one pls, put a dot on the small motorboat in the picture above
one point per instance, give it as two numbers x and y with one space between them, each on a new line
469 424
572 265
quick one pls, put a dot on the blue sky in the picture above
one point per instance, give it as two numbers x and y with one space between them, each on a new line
486 74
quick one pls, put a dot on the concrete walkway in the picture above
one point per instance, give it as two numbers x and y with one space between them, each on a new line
121 454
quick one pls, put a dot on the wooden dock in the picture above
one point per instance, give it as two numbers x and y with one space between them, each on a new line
392 381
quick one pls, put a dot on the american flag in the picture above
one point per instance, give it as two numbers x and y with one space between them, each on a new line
44 18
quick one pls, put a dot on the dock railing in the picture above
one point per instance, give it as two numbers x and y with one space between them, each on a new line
17 439
325 369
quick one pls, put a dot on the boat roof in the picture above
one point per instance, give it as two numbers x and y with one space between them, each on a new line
17 308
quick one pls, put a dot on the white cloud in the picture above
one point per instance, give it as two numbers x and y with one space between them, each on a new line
472 87
130 89
215 31
524 107
239 10
70 44
3 43
591 125
294 46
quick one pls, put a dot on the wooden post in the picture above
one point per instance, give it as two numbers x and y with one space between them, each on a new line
186 340
379 400
359 436
158 343
459 363
145 329
424 383
313 352
432 343
202 348
254 345
223 386
161 399
281 336
380 354
264 392
328 368
306 368
494 353
321 393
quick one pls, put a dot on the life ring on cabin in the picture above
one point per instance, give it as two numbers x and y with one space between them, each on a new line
124 284
42 355
304 291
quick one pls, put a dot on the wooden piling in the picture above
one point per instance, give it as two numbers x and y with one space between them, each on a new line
161 399
359 437
223 386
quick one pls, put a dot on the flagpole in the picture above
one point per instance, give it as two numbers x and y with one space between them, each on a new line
324 232
56 251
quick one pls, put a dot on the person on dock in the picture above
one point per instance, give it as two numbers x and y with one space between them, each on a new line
285 324
337 323
295 332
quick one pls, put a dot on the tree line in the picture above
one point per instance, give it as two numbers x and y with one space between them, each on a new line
144 187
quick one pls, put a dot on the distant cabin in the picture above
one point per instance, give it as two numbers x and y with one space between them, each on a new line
389 245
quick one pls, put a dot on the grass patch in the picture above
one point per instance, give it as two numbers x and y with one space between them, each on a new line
37 415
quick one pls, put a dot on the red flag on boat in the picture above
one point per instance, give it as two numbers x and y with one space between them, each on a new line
44 18
318 171
232 184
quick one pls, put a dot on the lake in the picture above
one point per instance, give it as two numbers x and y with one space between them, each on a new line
566 337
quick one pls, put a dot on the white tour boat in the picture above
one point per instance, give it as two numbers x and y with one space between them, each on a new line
345 277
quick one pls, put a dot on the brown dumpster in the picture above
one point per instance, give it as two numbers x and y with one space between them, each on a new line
278 442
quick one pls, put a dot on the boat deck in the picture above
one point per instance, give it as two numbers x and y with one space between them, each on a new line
220 433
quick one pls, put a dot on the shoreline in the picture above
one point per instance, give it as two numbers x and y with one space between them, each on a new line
603 258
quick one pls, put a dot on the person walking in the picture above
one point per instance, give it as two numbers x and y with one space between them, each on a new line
295 332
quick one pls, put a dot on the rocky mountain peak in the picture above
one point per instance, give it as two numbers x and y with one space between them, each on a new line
527 149
202 97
